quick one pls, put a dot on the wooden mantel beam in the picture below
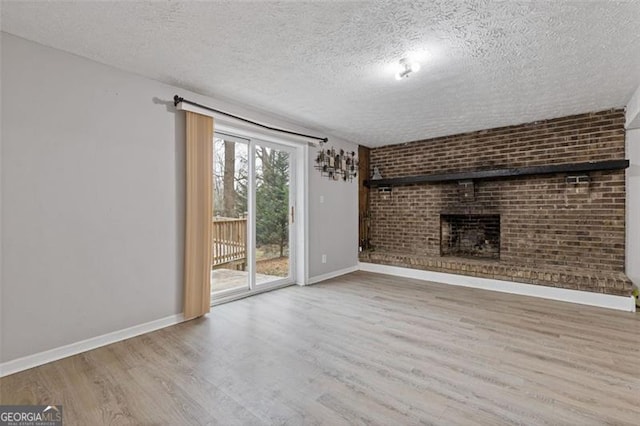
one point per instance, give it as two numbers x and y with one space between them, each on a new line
590 166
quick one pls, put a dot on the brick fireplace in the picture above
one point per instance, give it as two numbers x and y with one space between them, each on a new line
556 229
473 236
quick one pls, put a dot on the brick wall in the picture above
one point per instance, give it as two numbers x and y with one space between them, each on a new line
545 222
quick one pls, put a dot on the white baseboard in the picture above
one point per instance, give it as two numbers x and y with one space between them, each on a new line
30 361
328 276
554 293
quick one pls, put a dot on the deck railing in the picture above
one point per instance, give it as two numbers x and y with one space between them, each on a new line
229 241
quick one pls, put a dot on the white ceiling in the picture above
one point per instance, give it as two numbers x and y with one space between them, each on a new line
328 65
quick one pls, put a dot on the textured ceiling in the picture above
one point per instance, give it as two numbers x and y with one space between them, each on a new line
329 65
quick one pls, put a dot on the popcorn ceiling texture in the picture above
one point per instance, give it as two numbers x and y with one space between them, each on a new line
328 65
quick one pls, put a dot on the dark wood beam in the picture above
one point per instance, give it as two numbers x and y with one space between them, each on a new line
363 196
590 166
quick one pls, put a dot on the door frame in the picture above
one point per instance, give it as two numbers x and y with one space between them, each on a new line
291 277
298 231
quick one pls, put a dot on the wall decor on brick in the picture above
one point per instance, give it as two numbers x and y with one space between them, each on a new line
564 229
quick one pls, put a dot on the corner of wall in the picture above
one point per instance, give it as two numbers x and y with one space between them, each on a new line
632 150
1 258
632 111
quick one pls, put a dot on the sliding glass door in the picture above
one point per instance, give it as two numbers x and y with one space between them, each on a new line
230 215
254 211
274 213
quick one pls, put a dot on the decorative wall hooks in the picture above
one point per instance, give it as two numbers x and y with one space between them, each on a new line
337 165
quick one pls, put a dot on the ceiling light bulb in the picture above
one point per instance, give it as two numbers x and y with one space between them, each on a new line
405 68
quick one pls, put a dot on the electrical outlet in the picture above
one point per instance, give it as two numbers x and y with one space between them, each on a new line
322 199
324 258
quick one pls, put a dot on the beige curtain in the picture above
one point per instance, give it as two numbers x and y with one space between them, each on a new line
198 215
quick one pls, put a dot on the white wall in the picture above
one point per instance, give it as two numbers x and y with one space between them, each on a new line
633 189
92 196
1 173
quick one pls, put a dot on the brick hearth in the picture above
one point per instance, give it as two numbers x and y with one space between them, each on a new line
615 283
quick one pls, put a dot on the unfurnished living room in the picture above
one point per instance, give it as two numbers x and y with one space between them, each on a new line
320 212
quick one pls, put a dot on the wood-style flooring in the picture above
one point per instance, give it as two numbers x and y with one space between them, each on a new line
360 349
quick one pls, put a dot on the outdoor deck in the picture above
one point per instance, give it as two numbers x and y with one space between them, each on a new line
229 236
229 255
224 279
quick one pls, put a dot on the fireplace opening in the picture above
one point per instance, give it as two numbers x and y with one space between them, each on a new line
475 236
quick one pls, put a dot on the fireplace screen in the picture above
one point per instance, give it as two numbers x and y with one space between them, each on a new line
476 236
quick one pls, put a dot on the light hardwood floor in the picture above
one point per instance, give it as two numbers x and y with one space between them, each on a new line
359 349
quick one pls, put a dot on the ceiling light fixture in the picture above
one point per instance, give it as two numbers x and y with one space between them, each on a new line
406 68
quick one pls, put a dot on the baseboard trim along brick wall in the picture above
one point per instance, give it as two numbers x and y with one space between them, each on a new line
620 303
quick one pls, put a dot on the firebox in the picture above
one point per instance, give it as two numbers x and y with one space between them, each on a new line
470 235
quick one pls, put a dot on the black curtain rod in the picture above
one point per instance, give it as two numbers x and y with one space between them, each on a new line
177 99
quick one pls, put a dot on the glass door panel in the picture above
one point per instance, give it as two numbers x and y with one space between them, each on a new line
274 213
230 265
253 213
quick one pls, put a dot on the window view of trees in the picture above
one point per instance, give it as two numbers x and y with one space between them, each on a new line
272 199
230 177
231 174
